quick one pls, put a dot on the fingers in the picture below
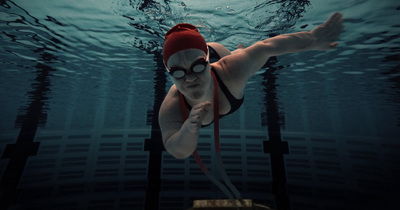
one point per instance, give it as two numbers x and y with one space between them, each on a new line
335 26
334 18
333 45
327 33
337 15
240 46
206 105
196 116
195 122
334 21
198 112
338 20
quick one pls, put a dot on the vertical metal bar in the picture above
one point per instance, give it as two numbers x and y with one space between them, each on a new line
155 145
24 147
275 146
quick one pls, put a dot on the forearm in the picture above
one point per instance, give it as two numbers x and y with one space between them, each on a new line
182 143
255 56
290 43
244 63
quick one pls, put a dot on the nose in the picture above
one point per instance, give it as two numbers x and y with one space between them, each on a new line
190 77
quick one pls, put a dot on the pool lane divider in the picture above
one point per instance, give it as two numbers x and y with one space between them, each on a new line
275 146
18 153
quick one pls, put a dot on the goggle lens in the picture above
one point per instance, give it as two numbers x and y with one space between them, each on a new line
199 66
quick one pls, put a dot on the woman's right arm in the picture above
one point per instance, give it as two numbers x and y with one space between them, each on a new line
180 137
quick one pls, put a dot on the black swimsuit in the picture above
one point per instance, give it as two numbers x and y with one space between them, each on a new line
234 102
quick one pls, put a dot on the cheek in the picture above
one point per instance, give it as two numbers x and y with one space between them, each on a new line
206 75
174 80
178 83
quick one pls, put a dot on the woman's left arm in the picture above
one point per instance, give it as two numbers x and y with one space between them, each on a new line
246 62
322 37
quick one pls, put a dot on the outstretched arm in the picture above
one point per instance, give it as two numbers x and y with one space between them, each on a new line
322 37
243 64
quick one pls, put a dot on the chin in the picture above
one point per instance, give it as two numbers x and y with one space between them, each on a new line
195 93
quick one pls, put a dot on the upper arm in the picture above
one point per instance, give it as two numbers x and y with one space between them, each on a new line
170 117
240 66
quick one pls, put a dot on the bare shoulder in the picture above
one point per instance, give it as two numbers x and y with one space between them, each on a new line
231 81
170 106
237 68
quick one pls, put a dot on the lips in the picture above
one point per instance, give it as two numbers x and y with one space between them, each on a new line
192 85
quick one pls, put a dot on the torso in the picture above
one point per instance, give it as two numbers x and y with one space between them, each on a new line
224 104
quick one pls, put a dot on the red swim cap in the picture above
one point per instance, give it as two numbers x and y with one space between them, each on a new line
182 37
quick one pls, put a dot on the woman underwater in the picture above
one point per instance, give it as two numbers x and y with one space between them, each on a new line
197 80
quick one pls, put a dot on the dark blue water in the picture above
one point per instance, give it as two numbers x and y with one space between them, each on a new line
81 83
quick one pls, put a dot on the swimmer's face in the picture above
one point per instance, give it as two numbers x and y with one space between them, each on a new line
194 65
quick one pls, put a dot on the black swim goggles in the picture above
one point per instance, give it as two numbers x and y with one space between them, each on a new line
198 66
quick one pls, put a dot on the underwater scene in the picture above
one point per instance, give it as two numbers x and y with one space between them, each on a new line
82 82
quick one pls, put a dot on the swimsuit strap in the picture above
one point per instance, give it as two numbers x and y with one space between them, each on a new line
233 101
216 119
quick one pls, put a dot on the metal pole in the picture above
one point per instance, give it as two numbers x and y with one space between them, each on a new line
24 147
154 145
275 146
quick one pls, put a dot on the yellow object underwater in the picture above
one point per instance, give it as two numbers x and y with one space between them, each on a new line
226 204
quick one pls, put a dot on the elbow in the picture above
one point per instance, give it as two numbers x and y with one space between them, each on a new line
178 153
180 144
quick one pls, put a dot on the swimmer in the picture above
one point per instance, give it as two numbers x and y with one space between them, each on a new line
197 69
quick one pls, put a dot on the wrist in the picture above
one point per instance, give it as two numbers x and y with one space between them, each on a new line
312 41
190 128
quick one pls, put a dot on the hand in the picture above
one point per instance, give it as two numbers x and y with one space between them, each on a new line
197 115
327 33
